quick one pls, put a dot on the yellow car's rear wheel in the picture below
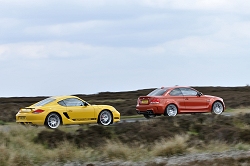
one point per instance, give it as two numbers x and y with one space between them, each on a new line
53 121
105 118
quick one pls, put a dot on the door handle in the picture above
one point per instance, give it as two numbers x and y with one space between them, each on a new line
186 98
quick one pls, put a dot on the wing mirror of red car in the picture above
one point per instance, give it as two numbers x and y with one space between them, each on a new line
199 94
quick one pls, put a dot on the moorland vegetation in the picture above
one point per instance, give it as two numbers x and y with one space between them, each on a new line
124 102
150 142
140 141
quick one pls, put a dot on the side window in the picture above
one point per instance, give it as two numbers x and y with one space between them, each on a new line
62 103
188 92
176 92
45 101
158 92
72 102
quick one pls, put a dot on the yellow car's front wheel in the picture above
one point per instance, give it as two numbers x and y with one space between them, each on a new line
105 118
53 121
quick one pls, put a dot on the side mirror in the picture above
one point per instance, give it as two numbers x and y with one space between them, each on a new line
85 104
199 94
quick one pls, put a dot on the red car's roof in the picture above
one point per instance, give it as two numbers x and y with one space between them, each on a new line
172 87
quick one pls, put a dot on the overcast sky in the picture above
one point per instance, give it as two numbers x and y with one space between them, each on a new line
61 47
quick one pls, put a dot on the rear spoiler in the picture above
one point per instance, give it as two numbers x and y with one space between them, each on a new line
26 109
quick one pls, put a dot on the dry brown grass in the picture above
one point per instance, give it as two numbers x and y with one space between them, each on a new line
119 151
4 155
169 147
139 141
212 146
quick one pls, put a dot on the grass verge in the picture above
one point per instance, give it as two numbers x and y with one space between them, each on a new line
137 142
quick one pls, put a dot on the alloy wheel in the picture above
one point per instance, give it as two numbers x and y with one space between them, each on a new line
105 118
171 110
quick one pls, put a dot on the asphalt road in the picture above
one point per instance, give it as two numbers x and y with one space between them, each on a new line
130 120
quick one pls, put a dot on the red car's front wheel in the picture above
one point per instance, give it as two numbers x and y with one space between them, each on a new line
217 108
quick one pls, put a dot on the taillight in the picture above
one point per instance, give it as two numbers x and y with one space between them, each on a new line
155 101
38 111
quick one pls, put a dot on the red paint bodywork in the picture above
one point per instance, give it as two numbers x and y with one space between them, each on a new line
185 103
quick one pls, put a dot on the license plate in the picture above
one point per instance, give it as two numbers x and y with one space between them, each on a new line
144 101
22 117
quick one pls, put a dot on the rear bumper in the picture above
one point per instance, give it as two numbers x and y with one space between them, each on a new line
29 118
150 109
148 112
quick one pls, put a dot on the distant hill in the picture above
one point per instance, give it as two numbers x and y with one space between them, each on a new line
124 102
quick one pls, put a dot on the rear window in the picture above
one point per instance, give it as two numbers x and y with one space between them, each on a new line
45 101
158 92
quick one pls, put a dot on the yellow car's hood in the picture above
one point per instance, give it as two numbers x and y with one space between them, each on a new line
104 107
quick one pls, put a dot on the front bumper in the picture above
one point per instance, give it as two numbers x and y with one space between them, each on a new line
116 116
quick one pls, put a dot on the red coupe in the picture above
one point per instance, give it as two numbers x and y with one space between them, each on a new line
171 101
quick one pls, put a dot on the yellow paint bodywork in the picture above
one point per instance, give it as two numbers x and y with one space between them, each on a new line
69 115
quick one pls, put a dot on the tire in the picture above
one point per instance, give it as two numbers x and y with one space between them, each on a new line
105 118
147 116
53 121
217 108
171 110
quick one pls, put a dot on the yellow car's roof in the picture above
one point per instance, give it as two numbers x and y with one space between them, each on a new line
62 97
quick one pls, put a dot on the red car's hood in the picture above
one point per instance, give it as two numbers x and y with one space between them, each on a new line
210 96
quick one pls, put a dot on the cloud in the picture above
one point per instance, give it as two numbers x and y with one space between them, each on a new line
43 50
3 52
66 29
115 45
201 5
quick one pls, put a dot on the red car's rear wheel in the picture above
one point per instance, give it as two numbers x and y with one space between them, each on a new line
171 110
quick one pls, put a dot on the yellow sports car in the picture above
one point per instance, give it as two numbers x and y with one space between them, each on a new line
55 111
